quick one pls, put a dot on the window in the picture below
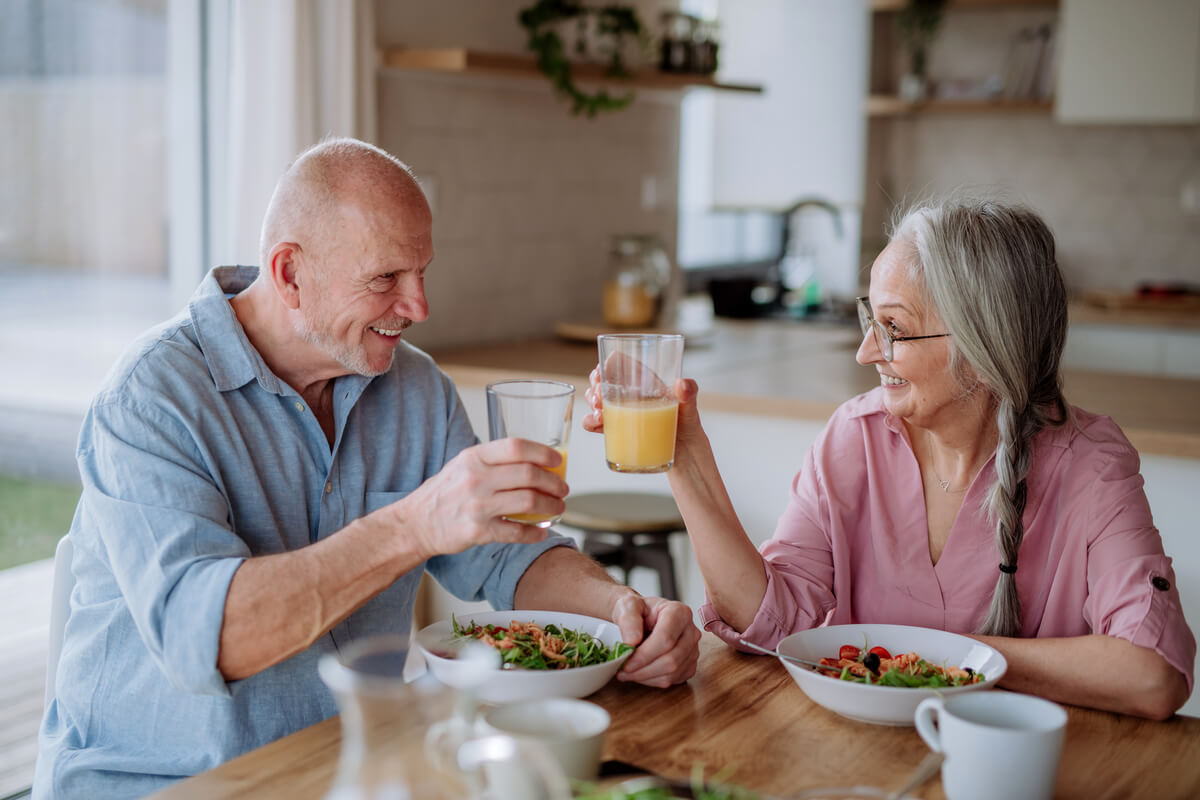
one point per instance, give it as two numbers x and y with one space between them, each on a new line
83 269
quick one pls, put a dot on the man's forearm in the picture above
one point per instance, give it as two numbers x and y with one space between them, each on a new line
563 579
278 605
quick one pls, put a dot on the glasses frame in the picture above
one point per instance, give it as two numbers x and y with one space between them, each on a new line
867 321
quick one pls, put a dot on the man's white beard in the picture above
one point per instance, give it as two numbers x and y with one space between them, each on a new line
354 359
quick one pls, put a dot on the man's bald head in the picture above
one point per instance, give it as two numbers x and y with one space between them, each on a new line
308 201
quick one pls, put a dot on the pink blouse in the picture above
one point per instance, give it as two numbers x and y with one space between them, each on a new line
852 545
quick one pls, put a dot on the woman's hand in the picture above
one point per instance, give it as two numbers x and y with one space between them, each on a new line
687 427
593 421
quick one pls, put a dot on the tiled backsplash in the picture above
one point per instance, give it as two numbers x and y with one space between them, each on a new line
1111 194
526 197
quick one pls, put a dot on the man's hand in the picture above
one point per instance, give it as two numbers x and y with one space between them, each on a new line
462 505
666 656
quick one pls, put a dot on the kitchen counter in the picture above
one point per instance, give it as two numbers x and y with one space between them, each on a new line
805 370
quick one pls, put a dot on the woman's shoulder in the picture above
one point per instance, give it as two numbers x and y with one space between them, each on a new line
1086 432
1092 445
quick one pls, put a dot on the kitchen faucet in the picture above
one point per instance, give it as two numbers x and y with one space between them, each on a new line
812 299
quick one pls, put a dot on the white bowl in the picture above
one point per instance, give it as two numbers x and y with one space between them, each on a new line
885 705
513 685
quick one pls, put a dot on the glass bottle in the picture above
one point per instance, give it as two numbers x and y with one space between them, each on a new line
639 272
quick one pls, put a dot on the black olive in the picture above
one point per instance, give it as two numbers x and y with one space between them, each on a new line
871 662
970 672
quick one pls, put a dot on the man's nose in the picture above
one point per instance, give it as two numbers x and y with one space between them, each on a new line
413 304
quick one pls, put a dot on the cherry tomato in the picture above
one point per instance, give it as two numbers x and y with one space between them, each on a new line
881 652
848 651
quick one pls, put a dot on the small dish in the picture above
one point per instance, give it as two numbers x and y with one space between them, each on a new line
885 705
436 642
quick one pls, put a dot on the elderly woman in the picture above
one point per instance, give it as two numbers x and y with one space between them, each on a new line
962 493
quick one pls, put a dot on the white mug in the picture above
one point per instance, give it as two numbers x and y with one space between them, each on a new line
998 745
571 731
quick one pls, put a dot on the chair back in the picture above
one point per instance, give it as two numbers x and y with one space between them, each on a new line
60 609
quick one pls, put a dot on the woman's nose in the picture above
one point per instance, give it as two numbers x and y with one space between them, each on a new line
868 350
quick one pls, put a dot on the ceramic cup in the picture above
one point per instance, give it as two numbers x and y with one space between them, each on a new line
571 731
998 745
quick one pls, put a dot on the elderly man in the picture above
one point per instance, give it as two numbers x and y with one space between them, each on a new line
267 476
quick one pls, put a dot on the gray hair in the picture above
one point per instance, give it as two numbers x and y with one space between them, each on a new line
988 268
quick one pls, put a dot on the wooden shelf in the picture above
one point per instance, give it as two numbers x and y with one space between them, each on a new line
505 65
885 106
896 5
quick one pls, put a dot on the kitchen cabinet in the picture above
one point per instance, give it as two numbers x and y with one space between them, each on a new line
1124 62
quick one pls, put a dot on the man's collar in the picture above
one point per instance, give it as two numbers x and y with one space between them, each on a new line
232 359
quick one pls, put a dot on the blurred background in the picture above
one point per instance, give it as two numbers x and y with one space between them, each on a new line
766 145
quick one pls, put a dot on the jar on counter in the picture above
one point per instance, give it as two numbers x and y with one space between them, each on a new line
639 271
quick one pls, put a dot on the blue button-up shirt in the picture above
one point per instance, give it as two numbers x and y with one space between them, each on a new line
194 456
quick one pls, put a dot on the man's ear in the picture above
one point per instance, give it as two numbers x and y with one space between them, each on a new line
282 265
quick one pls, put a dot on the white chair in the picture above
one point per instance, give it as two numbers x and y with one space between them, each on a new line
60 609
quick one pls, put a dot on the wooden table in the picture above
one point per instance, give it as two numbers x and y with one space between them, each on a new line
745 713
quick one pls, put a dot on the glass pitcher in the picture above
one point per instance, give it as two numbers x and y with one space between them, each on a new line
417 741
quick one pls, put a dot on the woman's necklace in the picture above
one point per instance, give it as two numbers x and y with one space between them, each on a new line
944 484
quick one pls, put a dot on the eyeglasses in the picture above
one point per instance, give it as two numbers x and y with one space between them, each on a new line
884 340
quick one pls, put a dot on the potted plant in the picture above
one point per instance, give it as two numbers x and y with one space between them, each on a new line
598 31
918 24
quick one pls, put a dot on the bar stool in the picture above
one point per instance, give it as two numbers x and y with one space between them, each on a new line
644 523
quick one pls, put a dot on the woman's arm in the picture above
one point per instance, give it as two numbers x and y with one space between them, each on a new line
1096 671
733 570
734 573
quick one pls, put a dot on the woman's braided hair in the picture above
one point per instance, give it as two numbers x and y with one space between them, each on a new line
988 267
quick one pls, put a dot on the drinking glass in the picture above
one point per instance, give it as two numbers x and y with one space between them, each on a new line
539 411
638 376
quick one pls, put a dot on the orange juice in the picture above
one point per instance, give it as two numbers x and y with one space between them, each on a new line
544 520
640 436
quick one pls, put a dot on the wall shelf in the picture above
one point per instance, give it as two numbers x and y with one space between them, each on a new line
887 106
992 5
458 60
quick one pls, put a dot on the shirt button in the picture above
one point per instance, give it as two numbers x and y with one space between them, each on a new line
299 406
328 488
1160 583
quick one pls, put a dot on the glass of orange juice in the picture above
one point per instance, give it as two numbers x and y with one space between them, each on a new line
638 376
539 411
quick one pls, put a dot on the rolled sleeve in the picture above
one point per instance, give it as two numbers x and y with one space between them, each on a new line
1132 592
161 524
1138 601
490 572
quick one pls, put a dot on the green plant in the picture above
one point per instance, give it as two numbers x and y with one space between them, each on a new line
918 24
613 23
